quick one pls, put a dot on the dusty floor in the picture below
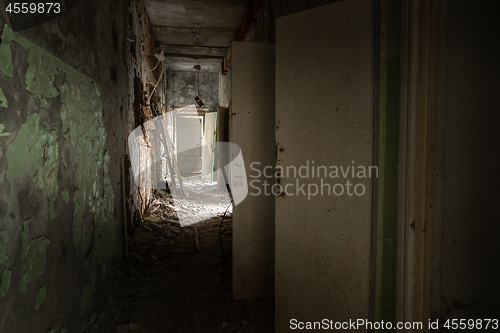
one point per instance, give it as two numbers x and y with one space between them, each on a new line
205 200
170 285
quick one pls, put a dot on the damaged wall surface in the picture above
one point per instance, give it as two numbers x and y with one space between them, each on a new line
62 124
146 101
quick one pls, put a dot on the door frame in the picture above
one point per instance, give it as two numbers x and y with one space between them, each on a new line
416 162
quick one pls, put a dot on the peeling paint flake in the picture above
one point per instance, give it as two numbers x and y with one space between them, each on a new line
2 133
92 319
34 151
9 35
4 239
35 148
81 114
3 100
6 66
35 261
25 238
43 67
5 283
3 252
41 294
87 293
65 195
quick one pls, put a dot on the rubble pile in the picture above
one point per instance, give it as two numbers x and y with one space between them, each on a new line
158 250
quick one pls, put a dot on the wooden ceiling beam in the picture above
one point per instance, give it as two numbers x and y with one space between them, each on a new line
249 19
194 56
192 29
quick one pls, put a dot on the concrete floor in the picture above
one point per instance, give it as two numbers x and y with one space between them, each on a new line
167 285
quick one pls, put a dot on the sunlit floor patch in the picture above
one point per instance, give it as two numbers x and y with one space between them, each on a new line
205 201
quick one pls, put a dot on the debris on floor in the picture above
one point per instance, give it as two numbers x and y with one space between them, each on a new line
175 280
205 201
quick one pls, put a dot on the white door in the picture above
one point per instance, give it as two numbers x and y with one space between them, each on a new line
189 143
324 118
252 129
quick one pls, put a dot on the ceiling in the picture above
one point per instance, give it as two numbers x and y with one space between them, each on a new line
195 32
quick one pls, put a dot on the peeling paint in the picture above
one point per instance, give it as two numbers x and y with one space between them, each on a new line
4 239
3 252
35 261
2 133
65 195
25 238
87 293
43 67
5 283
34 151
35 148
3 100
41 294
9 35
92 319
6 66
81 114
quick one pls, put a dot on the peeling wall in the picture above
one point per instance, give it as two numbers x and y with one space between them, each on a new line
146 87
62 137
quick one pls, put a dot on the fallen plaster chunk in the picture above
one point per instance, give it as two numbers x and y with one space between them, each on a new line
152 218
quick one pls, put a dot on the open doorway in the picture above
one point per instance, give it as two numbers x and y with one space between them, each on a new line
189 179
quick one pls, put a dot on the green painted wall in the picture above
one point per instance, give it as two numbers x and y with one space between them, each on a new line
33 150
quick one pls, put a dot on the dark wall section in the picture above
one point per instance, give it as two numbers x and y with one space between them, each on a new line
470 247
263 30
63 102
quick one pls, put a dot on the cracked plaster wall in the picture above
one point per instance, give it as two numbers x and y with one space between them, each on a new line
146 87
